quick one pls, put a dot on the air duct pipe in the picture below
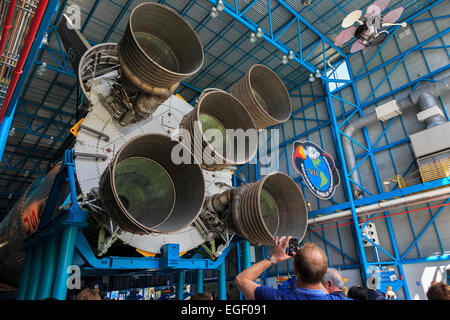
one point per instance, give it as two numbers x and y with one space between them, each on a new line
258 212
423 96
436 193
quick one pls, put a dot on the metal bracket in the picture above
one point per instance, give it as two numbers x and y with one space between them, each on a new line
100 134
91 155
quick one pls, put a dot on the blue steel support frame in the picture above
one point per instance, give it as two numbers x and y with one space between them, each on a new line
199 281
48 277
180 285
274 40
305 58
39 281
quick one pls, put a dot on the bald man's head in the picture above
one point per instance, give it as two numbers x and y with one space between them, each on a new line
310 263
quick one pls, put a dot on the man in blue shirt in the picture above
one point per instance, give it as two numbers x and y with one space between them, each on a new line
310 265
333 282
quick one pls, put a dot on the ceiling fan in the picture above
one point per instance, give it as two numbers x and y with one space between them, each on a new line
370 29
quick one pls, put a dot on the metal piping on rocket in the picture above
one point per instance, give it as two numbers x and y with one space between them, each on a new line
423 96
159 49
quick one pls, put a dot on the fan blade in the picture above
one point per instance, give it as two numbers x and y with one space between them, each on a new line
393 15
344 36
376 8
357 46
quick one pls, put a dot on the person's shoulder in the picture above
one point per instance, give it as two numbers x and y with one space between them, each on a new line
334 297
265 293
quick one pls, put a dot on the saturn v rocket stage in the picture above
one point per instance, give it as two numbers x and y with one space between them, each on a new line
150 169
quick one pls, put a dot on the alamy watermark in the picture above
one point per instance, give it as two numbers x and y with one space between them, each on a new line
228 147
74 279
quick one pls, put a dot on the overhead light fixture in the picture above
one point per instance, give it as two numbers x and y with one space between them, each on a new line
12 132
259 33
284 60
311 78
318 74
45 39
291 55
220 6
253 38
27 173
214 13
42 69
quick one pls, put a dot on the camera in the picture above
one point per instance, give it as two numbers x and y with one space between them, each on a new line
292 246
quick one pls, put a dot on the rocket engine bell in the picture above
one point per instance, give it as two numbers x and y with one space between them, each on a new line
264 95
143 190
157 51
273 206
219 112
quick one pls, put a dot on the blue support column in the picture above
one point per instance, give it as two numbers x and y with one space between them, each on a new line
199 281
180 285
222 280
246 258
247 262
66 251
346 183
25 275
5 127
48 271
35 274
378 182
239 264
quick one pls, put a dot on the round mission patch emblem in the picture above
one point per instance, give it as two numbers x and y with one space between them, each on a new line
317 169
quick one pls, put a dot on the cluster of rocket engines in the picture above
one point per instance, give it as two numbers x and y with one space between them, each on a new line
139 191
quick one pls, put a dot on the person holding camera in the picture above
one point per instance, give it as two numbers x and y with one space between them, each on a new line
310 265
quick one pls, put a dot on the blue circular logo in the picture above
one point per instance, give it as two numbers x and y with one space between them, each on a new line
317 169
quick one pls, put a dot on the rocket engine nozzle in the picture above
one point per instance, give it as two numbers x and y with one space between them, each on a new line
258 212
264 95
144 191
219 131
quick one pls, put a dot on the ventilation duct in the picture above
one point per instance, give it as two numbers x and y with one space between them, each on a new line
424 97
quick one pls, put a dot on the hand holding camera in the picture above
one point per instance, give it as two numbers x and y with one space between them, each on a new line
279 251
